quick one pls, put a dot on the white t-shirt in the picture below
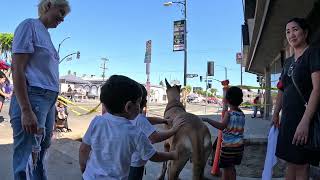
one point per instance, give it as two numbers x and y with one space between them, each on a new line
113 140
32 37
146 127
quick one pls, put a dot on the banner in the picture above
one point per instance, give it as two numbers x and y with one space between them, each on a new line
147 57
239 58
179 29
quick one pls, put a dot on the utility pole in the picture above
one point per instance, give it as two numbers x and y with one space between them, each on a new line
103 67
184 10
185 71
226 72
241 73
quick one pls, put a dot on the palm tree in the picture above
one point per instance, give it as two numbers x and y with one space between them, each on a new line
213 91
6 44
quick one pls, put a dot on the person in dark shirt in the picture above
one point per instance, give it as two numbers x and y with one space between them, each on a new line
3 94
304 68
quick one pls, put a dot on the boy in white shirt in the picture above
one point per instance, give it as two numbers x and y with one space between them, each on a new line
145 124
111 139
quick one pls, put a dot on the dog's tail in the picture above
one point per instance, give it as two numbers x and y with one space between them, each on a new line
201 143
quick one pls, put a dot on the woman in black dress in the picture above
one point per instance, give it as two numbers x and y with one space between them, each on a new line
304 67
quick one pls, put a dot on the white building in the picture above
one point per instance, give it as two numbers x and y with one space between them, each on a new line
157 94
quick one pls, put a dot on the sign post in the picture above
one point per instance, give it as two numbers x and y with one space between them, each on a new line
239 60
147 60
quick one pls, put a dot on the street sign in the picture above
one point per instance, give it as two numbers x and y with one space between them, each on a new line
147 57
192 75
179 28
209 80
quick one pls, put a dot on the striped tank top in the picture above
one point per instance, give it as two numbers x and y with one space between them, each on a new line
232 135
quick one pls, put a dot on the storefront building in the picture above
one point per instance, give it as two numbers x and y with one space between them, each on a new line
265 47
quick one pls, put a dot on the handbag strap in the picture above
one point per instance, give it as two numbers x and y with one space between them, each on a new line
297 88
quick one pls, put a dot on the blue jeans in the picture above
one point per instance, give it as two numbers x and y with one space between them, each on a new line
43 105
255 110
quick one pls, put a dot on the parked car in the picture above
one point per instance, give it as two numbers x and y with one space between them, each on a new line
92 96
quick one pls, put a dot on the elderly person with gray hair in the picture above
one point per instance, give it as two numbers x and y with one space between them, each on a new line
35 70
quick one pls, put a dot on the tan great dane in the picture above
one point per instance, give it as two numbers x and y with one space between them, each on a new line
192 141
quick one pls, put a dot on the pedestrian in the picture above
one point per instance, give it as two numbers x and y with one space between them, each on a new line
232 127
61 120
255 107
3 94
304 68
154 136
111 139
69 88
35 72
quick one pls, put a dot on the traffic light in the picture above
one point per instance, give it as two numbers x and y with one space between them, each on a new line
210 68
258 78
209 85
200 78
78 54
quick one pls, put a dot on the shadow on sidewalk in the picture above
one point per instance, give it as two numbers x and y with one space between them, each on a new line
60 160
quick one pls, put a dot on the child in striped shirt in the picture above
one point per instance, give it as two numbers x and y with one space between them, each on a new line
232 127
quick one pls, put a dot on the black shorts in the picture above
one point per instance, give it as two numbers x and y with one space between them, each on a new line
136 173
230 156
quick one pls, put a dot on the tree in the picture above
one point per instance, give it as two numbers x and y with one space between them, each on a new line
6 44
188 89
213 91
161 83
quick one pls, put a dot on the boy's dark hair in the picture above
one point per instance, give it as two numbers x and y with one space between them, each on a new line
117 91
234 96
303 24
144 96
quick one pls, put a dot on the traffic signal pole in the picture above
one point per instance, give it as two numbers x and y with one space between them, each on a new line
215 168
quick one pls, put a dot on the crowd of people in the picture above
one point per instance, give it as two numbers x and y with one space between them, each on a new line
118 143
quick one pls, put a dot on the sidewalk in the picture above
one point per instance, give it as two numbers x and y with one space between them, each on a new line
63 154
63 163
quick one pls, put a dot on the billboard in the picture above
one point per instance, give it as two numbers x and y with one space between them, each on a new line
179 30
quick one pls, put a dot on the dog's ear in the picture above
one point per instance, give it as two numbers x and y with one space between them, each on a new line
167 84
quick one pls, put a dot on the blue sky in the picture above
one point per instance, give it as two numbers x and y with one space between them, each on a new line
118 31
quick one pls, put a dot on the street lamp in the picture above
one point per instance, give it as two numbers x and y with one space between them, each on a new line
167 3
62 42
184 3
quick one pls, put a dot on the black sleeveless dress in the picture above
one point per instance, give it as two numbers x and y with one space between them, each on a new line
293 107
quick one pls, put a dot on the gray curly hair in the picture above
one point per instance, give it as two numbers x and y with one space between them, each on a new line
43 5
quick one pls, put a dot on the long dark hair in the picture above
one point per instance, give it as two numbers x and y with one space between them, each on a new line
302 23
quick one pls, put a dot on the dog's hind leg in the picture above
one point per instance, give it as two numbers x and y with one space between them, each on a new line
176 166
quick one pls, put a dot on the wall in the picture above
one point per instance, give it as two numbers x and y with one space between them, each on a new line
157 95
